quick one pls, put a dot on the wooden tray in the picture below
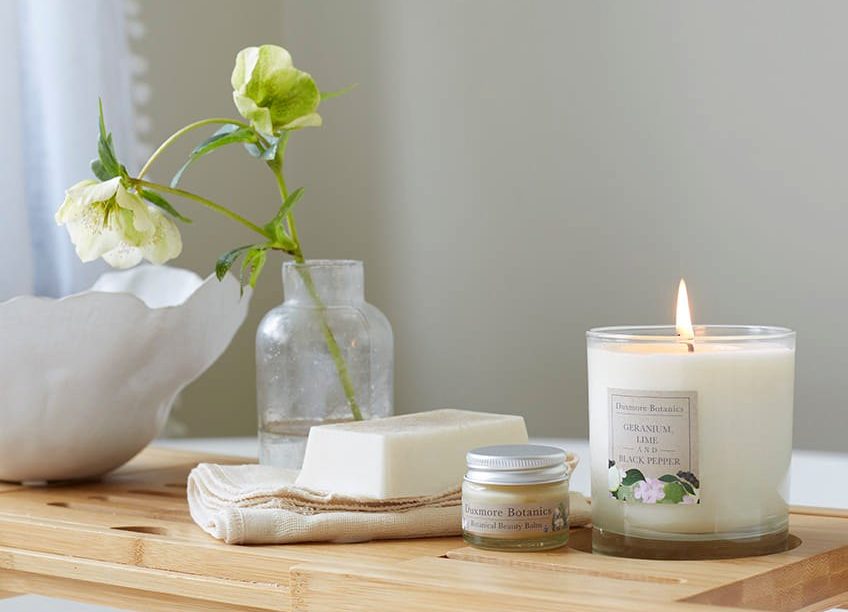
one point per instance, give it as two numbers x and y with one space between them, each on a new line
128 541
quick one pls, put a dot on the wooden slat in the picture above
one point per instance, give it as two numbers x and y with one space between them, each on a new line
129 541
818 534
444 585
806 583
157 582
793 579
146 536
202 556
108 595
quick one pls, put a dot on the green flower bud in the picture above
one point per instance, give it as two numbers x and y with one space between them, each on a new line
271 93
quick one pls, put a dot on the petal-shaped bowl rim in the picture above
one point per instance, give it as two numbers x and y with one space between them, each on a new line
86 293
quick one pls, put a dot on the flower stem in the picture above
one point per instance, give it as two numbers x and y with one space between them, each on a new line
293 230
276 166
176 135
330 339
206 202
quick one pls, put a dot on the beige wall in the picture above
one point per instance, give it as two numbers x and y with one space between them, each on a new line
515 173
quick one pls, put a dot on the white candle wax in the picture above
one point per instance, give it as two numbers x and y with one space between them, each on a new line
741 397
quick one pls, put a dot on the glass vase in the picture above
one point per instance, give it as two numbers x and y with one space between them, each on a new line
325 355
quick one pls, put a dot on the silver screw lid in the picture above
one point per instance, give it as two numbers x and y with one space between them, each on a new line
516 464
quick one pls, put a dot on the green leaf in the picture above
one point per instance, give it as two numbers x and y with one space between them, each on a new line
277 225
106 152
224 136
253 149
106 165
259 151
254 261
228 134
258 263
327 95
157 200
674 493
680 481
270 151
226 261
99 171
102 120
175 181
632 476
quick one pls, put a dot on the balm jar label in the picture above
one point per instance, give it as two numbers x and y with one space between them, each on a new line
514 520
653 446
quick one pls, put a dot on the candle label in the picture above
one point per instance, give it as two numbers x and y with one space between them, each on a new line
514 520
653 446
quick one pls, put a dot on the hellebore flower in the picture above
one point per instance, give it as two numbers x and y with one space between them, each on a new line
271 93
105 220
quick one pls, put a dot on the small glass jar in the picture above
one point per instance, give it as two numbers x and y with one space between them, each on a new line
515 497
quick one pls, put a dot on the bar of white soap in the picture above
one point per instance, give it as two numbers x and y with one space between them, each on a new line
404 456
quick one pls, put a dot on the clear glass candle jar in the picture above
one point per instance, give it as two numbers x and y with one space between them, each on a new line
515 497
690 440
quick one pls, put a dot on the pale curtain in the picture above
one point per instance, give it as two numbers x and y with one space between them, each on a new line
56 58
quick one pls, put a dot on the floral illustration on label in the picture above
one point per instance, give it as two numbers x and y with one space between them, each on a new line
558 519
653 447
632 485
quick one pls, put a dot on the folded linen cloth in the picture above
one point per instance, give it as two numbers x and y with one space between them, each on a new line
259 504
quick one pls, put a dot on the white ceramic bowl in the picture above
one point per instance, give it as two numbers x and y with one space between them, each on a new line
87 381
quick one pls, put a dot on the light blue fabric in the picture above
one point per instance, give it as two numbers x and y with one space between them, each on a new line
58 58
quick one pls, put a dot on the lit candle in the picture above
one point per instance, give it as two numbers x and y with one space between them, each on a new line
691 438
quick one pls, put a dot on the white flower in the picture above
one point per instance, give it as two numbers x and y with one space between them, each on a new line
105 220
614 479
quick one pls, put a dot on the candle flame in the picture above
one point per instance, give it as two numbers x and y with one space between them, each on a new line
684 318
